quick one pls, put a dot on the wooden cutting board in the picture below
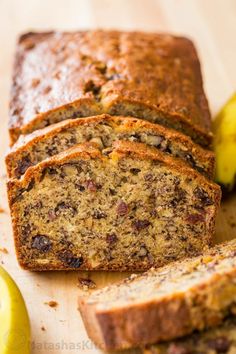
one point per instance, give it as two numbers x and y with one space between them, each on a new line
212 26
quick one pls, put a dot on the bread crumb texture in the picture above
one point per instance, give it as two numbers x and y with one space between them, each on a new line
120 210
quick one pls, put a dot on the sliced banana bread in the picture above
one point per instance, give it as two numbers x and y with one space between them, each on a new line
126 208
68 75
165 303
218 340
104 129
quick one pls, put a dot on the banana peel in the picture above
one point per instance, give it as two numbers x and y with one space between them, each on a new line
14 319
224 127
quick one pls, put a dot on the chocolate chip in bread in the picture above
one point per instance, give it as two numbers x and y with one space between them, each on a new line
104 130
126 208
216 340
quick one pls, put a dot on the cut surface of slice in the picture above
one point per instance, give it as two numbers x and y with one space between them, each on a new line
220 339
126 208
165 303
156 77
104 130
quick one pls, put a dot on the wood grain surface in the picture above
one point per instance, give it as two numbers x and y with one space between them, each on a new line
212 26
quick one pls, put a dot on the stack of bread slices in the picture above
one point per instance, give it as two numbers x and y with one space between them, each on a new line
111 168
185 307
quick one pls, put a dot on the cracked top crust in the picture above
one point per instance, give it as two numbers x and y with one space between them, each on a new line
63 75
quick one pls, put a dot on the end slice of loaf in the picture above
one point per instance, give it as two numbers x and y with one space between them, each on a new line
61 75
104 130
126 208
220 339
164 304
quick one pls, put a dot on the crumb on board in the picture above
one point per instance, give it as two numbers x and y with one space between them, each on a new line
52 303
86 283
43 329
2 210
4 250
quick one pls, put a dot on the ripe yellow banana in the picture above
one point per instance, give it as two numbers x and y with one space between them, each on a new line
14 319
225 144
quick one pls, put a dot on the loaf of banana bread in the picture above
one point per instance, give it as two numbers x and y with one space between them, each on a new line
218 340
103 130
129 207
68 75
165 303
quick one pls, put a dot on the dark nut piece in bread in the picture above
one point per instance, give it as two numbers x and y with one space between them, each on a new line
103 130
104 213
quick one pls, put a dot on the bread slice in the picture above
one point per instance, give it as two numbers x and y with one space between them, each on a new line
221 339
165 303
127 208
156 77
104 130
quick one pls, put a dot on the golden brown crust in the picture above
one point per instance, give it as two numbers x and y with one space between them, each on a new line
165 318
137 326
84 151
119 151
204 160
66 75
